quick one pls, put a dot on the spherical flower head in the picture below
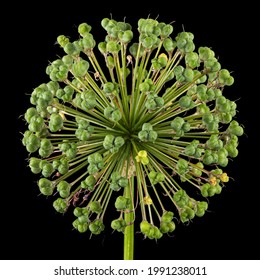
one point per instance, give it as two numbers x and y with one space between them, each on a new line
138 113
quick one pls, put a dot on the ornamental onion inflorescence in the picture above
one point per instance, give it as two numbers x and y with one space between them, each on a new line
139 126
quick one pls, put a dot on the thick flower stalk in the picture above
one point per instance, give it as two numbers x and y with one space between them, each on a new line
142 128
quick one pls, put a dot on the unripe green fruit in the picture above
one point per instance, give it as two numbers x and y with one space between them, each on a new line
95 207
122 203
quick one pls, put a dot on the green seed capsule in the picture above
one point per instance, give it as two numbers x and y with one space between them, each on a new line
60 205
36 124
70 49
105 22
188 74
88 98
78 211
35 170
185 101
164 227
189 47
30 112
156 177
108 142
171 226
160 177
95 207
167 216
64 189
80 68
190 150
145 227
119 142
235 128
115 186
166 30
47 170
207 118
45 186
152 176
182 166
222 161
82 227
205 190
83 219
143 135
75 224
169 44
157 233
46 144
125 36
123 182
208 158
203 205
34 140
144 160
192 60
200 213
177 123
93 168
118 224
88 42
229 81
55 122
62 40
122 203
113 114
214 142
205 53
67 60
151 104
63 168
96 227
90 182
232 151
223 75
148 41
84 28
181 198
95 158
35 163
218 189
112 47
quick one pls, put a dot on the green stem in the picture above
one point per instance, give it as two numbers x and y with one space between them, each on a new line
129 218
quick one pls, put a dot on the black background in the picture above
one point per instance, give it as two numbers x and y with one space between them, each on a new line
30 227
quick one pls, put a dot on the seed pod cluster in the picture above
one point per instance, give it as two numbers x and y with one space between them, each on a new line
141 114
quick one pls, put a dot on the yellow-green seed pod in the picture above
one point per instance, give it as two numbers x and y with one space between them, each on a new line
105 22
125 36
181 198
144 160
95 207
167 216
118 224
55 122
84 28
77 211
145 227
62 40
60 205
122 203
82 227
96 227
112 47
30 112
